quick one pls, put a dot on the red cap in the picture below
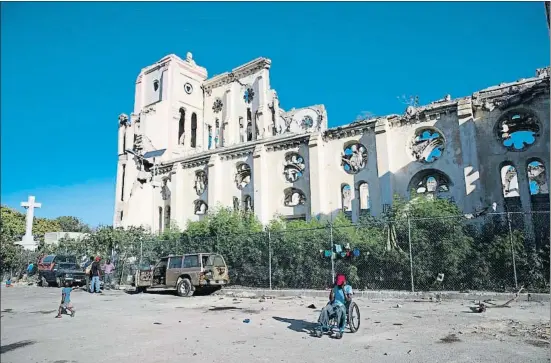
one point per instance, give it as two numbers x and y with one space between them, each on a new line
341 279
98 258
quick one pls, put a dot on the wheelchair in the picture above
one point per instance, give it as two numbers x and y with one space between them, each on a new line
352 322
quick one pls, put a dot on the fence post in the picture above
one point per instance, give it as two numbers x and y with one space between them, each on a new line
410 255
332 253
512 248
270 258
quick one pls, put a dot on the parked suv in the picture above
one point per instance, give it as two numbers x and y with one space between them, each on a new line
185 273
55 270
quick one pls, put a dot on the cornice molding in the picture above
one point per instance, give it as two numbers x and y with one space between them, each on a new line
236 154
236 74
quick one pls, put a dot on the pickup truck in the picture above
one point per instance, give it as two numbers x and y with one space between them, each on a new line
55 270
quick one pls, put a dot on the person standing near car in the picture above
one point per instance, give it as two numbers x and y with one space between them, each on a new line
108 269
87 268
95 274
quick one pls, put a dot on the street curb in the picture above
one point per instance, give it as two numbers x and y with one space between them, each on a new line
378 295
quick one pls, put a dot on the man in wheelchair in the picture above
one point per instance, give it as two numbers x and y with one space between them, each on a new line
339 298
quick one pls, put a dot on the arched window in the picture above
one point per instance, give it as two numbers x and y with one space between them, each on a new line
431 183
182 126
365 203
509 181
510 189
346 198
122 181
539 200
537 178
249 125
193 130
160 219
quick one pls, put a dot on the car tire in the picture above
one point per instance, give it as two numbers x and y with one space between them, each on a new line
184 288
141 289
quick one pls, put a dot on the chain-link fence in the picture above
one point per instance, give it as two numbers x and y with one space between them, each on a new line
498 252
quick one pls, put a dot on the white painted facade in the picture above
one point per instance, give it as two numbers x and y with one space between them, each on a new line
228 143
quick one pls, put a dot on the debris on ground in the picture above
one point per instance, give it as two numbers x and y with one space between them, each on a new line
311 306
247 321
451 338
482 306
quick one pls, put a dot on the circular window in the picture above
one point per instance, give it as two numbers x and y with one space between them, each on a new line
518 129
427 145
188 88
217 106
354 158
248 96
294 167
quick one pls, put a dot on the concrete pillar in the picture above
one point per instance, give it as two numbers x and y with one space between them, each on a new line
384 168
177 196
214 177
229 119
469 154
524 189
122 129
261 185
318 192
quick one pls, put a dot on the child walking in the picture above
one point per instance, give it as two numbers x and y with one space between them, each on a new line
66 301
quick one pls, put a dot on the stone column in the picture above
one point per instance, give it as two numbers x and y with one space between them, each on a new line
469 153
228 118
118 191
177 196
318 192
526 201
122 129
261 187
384 169
214 176
264 119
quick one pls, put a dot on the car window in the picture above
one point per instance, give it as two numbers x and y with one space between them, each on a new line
48 259
175 262
191 261
219 261
205 259
216 260
65 259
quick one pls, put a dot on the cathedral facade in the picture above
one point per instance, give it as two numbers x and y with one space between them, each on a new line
194 143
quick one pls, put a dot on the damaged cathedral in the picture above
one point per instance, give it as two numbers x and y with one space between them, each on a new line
194 143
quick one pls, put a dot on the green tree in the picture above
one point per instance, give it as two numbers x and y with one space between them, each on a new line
72 224
440 241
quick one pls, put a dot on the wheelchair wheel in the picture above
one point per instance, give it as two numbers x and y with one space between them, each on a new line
353 317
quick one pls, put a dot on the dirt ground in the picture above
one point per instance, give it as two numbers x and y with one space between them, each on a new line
160 327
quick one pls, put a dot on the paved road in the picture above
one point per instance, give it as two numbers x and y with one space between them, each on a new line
156 327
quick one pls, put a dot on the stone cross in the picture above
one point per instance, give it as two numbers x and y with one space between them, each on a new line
28 241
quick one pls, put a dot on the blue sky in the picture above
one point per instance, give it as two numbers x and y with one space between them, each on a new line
68 70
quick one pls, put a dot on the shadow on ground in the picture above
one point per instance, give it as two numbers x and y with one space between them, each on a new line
14 346
300 326
170 292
